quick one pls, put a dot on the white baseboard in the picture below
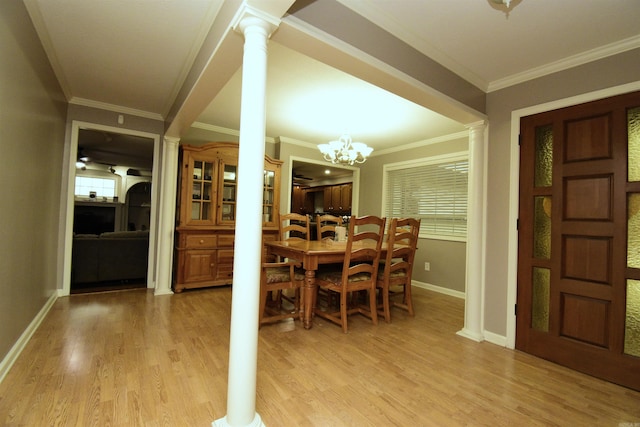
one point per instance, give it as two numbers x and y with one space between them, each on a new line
438 289
496 339
12 355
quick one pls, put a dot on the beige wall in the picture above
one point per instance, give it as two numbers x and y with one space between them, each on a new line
599 75
32 128
448 259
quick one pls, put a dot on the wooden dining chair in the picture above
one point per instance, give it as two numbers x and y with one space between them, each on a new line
277 277
326 229
294 226
326 225
358 271
394 278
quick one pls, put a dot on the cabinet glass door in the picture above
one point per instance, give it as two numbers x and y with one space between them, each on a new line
201 191
268 196
229 193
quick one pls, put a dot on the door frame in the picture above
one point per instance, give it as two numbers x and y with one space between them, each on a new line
514 183
355 177
76 125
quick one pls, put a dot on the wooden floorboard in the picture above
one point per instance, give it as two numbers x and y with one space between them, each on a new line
130 358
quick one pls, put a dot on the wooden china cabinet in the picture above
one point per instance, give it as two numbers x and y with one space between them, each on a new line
206 211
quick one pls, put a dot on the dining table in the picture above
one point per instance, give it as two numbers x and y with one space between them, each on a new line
312 254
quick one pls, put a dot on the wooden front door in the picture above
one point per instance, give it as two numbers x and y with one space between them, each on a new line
579 238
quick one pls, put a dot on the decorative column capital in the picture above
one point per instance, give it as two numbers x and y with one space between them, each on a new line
250 17
479 125
171 140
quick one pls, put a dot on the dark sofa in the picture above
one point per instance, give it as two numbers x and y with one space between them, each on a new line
109 257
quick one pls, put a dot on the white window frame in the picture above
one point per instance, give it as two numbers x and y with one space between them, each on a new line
417 163
81 191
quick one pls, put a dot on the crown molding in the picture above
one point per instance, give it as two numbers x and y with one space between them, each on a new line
115 108
417 144
41 29
297 142
566 63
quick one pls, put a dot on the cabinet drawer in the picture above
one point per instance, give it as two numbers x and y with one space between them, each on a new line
226 240
200 241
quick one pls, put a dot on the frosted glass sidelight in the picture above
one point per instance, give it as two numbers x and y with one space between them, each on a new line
540 299
633 129
544 156
633 230
542 227
632 320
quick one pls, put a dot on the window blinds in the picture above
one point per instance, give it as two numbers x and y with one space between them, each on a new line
434 192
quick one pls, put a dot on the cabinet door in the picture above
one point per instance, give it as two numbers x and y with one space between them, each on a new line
269 202
297 200
225 264
336 198
328 206
228 179
199 265
199 191
345 198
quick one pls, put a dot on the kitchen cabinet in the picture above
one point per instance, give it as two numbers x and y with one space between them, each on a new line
337 199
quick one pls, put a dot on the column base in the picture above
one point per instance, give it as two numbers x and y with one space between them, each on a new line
222 422
162 292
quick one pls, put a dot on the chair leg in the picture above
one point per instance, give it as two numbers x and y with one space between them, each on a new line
408 300
263 303
343 311
385 303
373 306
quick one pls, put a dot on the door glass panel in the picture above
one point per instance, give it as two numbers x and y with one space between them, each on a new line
208 171
540 299
544 156
195 210
201 190
267 197
633 230
197 191
632 323
206 210
633 129
542 227
197 170
229 187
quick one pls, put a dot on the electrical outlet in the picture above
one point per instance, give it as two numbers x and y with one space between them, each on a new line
427 266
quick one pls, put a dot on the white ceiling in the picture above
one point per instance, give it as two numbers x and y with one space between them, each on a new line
134 55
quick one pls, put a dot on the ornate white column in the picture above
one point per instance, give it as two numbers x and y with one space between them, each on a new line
243 348
167 215
474 301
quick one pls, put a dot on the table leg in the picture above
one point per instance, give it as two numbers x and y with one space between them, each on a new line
309 297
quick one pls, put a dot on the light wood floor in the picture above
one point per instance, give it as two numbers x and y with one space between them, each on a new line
132 359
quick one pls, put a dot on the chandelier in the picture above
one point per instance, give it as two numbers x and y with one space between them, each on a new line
508 5
344 151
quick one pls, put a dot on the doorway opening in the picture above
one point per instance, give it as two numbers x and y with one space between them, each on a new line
111 209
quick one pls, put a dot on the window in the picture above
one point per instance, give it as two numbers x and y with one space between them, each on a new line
433 189
103 187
